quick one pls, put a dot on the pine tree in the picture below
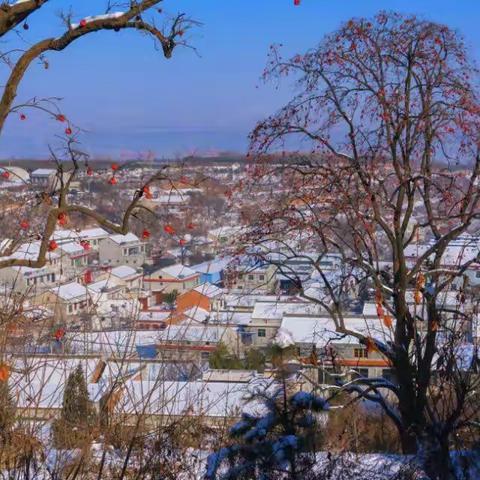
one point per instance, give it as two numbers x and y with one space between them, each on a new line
78 413
77 408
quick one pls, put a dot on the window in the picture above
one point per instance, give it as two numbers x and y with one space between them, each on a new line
477 274
70 308
261 277
261 332
250 277
360 353
389 374
205 355
361 372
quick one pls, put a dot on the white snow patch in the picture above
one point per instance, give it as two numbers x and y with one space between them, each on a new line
92 18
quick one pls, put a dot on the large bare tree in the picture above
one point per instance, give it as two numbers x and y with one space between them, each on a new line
387 108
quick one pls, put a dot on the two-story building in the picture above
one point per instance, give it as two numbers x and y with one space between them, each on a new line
27 279
128 249
67 301
176 278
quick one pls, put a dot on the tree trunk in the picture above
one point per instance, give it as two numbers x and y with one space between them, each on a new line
409 443
434 456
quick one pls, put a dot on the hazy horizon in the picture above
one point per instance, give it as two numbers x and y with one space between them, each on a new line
128 98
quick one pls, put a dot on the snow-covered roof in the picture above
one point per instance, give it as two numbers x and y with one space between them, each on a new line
213 266
231 317
50 369
128 238
117 343
93 233
72 248
66 235
103 286
33 255
33 395
276 310
249 300
178 271
211 399
17 174
189 333
209 290
197 314
44 172
70 291
322 330
123 271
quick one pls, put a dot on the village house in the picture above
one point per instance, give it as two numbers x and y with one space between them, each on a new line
317 333
74 259
256 278
128 249
267 317
94 236
205 296
27 279
152 319
176 278
67 301
129 278
43 177
194 343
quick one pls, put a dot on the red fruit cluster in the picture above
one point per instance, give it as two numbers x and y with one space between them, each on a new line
62 219
59 334
147 193
85 245
169 229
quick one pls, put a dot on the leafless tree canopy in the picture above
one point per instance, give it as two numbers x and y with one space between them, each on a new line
387 106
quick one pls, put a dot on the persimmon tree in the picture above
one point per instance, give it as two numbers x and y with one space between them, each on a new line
387 108
116 16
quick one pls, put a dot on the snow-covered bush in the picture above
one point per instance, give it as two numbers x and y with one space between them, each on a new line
278 444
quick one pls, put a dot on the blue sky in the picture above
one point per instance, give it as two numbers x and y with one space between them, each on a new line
130 99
